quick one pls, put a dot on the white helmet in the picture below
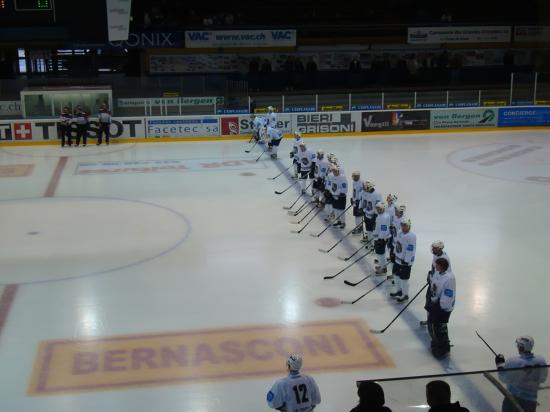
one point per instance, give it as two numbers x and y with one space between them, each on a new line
380 205
406 222
320 154
401 208
297 134
294 362
270 108
391 198
368 185
302 145
438 244
526 343
355 173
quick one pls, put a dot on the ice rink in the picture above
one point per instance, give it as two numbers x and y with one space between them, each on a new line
163 276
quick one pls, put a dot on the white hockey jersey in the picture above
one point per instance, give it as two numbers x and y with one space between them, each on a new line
295 147
524 384
259 122
294 393
357 189
443 289
321 168
395 223
274 134
405 247
382 228
369 201
272 119
306 159
338 185
391 210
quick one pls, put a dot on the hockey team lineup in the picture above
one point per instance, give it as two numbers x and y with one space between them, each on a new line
362 230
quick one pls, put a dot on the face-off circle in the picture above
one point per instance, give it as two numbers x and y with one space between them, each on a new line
526 162
248 174
59 238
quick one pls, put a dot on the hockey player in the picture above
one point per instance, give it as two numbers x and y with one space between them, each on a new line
81 120
523 384
437 252
441 304
395 225
321 171
357 186
65 127
405 249
338 191
307 165
296 392
369 199
258 127
271 117
104 117
275 136
294 153
381 234
390 201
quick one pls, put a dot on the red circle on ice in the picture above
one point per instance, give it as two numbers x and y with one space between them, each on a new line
328 302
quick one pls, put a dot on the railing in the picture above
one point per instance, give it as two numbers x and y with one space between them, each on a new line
141 97
484 391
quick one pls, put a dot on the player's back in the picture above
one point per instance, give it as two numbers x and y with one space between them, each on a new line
297 393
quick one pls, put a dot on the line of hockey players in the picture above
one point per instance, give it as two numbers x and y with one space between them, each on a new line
381 223
384 227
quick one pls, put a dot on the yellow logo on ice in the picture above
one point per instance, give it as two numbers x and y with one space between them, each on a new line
174 358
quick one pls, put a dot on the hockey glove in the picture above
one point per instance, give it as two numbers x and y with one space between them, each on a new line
499 361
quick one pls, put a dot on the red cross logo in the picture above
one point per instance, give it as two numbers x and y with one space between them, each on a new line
22 131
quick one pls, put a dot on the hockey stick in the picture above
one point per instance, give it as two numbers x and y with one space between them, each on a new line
293 203
347 282
253 146
354 253
486 344
400 312
282 191
329 225
365 294
261 154
348 266
308 222
302 219
275 177
337 243
302 207
297 211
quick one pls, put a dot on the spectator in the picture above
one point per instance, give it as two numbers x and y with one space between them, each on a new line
522 384
254 74
355 65
438 396
371 398
265 75
290 71
311 73
311 66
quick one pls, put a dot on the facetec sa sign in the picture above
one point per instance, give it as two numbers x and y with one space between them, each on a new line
240 38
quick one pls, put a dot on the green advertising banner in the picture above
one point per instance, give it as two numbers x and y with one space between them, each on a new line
462 118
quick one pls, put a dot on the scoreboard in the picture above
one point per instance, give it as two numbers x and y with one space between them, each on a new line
26 5
33 4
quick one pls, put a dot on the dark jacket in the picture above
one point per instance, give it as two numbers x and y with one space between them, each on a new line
361 408
452 407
